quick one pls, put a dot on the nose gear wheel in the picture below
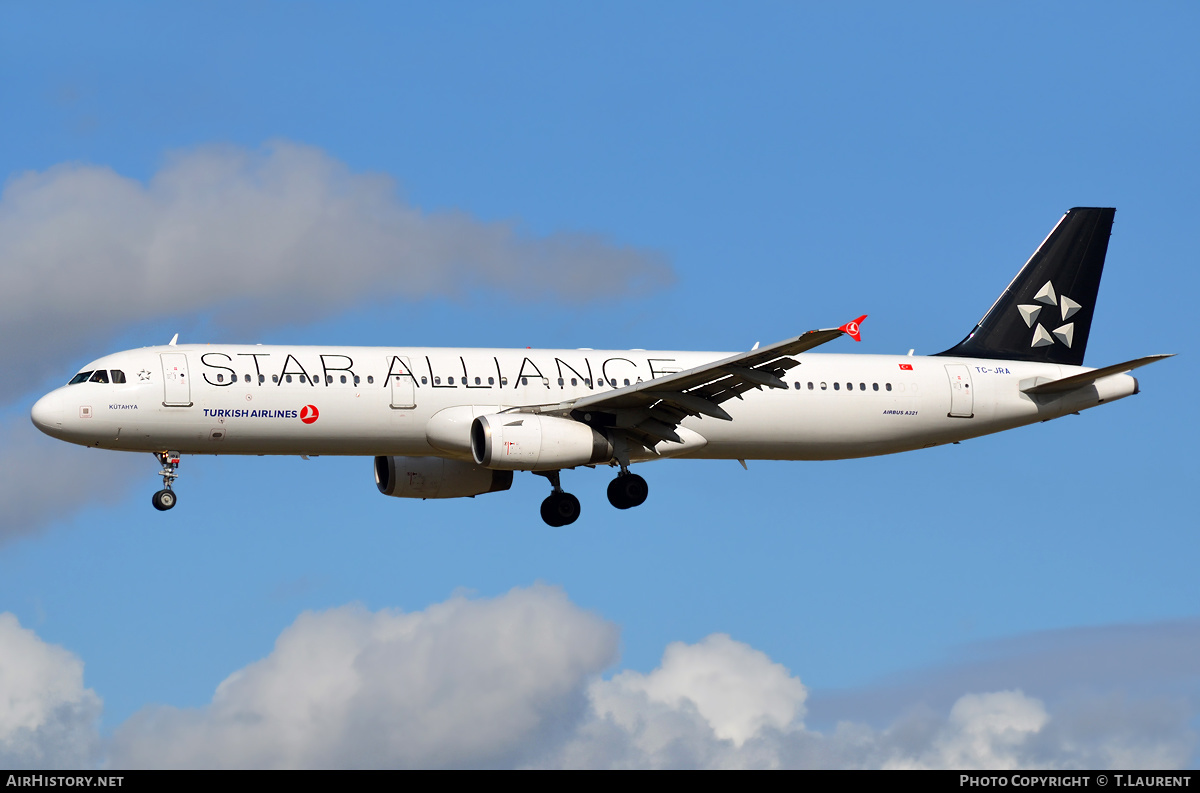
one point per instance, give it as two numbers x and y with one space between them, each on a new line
165 499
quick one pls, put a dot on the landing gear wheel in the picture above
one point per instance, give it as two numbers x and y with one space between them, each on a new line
163 500
560 509
628 490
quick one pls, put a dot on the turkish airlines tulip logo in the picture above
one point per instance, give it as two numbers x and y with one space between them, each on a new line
309 414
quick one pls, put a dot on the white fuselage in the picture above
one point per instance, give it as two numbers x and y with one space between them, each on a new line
378 401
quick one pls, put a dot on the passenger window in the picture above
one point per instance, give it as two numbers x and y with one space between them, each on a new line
329 379
118 376
343 378
561 381
437 380
357 379
262 379
822 386
288 378
587 381
477 381
80 378
503 381
626 381
491 381
862 386
424 380
220 378
274 378
247 378
849 386
574 381
887 386
810 385
99 376
371 378
837 386
450 381
524 381
875 386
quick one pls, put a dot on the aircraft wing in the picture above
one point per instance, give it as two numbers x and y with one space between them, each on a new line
650 411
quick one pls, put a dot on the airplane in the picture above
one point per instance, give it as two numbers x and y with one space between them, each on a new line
453 423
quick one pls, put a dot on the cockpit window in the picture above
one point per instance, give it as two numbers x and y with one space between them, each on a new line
99 376
80 378
117 376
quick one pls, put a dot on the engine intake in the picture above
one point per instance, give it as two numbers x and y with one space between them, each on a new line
529 442
436 477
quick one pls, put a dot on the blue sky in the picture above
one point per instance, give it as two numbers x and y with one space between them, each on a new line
775 167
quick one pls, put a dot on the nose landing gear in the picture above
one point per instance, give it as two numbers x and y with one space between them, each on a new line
560 508
165 499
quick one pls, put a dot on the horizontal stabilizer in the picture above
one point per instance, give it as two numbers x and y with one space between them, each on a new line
1087 378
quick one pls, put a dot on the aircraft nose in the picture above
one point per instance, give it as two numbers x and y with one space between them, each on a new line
47 414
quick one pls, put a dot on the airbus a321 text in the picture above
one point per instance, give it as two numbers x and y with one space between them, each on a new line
450 423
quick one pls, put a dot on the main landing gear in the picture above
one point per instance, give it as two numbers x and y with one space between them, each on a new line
560 507
627 490
165 499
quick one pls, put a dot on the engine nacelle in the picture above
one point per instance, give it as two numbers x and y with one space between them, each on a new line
435 477
529 442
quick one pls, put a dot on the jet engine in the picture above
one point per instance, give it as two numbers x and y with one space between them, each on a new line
435 477
529 442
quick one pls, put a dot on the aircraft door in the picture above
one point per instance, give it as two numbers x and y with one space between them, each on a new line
962 404
403 385
177 388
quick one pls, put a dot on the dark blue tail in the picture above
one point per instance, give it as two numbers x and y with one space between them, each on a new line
1045 314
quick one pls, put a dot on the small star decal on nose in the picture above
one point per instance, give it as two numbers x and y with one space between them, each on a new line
144 375
1047 297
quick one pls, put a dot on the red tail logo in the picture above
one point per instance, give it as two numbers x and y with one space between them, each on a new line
851 328
309 414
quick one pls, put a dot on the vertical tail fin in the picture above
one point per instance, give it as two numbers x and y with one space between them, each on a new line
1045 314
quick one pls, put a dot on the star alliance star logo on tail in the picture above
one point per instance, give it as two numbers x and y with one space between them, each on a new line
1067 307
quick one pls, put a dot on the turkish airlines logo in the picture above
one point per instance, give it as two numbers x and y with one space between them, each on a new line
309 414
851 329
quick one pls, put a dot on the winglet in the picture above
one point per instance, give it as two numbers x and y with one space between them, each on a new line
851 328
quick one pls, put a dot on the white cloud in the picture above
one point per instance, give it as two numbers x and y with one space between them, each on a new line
983 731
736 689
463 683
516 681
279 234
47 718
